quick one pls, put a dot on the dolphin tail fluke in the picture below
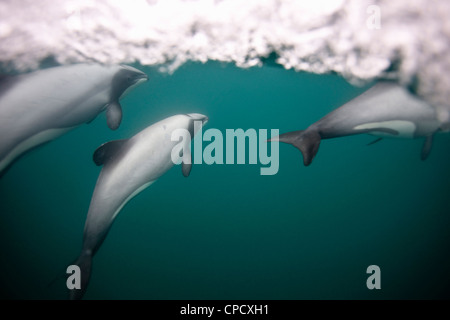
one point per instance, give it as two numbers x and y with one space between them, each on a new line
84 262
307 141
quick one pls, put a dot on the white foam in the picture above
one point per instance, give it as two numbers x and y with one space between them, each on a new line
316 36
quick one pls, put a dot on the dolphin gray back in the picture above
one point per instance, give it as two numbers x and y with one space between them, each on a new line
7 82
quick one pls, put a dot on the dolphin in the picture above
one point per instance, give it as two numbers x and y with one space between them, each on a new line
40 106
387 109
130 166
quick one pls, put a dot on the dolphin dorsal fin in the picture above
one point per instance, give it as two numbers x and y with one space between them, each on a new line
107 151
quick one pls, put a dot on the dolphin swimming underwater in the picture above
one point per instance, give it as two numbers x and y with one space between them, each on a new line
40 106
387 110
129 166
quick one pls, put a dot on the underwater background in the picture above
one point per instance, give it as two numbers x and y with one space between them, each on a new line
226 232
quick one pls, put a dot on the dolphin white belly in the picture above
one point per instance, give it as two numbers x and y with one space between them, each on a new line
129 167
402 128
42 105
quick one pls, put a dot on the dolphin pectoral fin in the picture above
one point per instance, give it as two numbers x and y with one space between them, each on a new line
307 141
113 115
186 165
374 141
107 151
186 169
426 149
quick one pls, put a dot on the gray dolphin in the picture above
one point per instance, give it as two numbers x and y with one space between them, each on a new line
42 105
130 166
386 110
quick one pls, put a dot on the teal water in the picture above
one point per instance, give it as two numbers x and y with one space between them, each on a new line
227 232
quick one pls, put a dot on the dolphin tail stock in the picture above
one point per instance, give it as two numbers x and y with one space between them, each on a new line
307 141
84 262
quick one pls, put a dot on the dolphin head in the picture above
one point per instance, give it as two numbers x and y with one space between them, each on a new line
198 117
124 80
196 122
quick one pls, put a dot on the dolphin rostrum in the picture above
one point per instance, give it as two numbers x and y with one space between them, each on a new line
386 110
130 166
40 106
